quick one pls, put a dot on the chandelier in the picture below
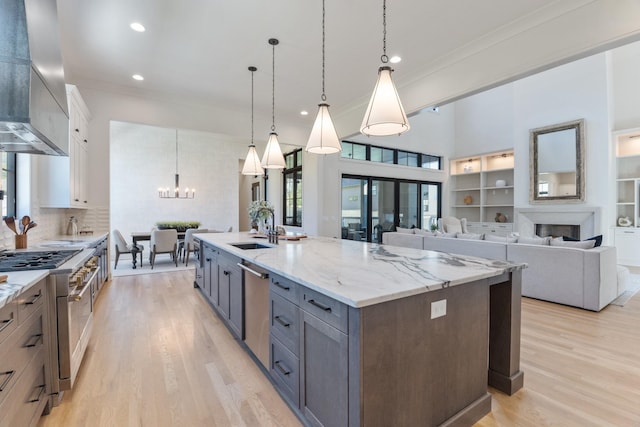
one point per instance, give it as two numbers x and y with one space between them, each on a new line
167 193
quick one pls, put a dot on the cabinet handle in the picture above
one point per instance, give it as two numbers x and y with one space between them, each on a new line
6 324
33 342
252 271
77 130
320 305
226 273
77 200
279 365
208 259
282 322
9 375
42 388
34 299
286 288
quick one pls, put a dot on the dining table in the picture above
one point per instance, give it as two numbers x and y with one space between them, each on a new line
138 236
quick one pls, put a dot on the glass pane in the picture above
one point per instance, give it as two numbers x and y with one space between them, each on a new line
376 154
412 159
382 201
359 152
299 158
347 150
289 198
354 208
402 158
3 183
429 205
430 162
409 210
299 198
387 156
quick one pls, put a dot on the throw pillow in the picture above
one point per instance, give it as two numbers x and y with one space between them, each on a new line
422 232
585 244
597 239
535 240
500 239
448 235
469 236
463 224
404 230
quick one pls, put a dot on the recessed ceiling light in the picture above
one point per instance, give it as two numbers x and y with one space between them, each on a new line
136 26
395 59
137 77
304 113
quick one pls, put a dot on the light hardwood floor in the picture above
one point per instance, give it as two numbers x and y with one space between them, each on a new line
160 357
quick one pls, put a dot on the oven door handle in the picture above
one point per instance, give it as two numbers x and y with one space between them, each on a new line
77 296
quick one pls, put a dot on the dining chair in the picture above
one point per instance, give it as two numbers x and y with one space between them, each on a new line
122 247
188 245
163 242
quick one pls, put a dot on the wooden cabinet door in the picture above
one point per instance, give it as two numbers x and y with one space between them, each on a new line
236 300
211 274
324 368
224 282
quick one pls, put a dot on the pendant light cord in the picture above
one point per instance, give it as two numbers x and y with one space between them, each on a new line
384 58
323 97
176 151
252 69
273 86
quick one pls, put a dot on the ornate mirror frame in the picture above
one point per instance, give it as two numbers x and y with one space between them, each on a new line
548 133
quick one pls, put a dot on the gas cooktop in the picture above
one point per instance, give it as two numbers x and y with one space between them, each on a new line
34 260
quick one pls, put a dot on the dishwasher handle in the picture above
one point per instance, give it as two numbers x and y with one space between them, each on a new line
252 271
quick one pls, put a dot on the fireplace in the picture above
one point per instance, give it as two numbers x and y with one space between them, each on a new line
558 230
586 218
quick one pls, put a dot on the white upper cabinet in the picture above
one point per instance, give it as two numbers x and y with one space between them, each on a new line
64 181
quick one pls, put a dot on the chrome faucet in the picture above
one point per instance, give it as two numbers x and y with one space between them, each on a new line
273 233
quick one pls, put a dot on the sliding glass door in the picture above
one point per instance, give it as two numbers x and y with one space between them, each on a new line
372 206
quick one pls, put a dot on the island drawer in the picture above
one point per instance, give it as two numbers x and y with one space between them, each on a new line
285 370
28 397
325 308
8 320
30 300
285 322
284 287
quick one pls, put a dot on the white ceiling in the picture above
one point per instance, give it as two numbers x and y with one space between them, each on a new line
198 51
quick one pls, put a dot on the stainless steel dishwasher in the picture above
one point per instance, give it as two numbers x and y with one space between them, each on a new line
256 310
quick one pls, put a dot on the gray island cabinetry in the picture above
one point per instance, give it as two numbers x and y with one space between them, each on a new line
371 335
23 354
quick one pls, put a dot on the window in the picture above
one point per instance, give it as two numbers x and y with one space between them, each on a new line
357 151
292 189
352 150
373 206
8 184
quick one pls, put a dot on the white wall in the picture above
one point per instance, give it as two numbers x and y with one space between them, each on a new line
143 158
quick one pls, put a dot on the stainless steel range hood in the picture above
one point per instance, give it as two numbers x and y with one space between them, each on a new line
33 102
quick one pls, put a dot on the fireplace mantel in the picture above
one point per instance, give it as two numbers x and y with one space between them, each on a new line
587 217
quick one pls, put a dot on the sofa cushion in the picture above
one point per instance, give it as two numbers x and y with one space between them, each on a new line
421 232
586 244
597 239
500 239
405 230
535 240
470 236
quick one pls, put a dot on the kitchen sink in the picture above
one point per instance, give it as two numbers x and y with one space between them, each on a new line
250 245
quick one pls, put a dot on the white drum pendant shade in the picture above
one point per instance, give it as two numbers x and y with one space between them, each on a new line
324 138
252 163
273 158
385 115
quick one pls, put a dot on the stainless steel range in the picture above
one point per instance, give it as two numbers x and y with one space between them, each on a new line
71 285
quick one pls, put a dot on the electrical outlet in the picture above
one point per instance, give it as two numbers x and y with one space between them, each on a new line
438 308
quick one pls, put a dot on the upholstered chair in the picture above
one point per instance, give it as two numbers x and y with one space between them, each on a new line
188 245
163 242
451 224
122 247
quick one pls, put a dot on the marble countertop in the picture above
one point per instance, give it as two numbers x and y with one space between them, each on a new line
19 282
361 274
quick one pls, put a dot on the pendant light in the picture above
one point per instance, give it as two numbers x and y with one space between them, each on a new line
385 115
324 138
272 157
252 162
166 193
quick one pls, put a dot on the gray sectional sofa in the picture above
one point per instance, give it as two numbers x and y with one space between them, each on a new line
584 278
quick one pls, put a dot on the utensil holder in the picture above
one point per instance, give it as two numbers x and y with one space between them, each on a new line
21 241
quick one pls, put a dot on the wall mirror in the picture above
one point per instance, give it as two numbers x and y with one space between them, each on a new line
557 163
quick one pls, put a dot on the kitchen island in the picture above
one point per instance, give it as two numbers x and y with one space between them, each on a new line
366 334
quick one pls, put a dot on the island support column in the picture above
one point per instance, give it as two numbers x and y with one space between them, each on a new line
504 334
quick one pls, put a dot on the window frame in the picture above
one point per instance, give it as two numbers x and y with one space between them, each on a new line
293 172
